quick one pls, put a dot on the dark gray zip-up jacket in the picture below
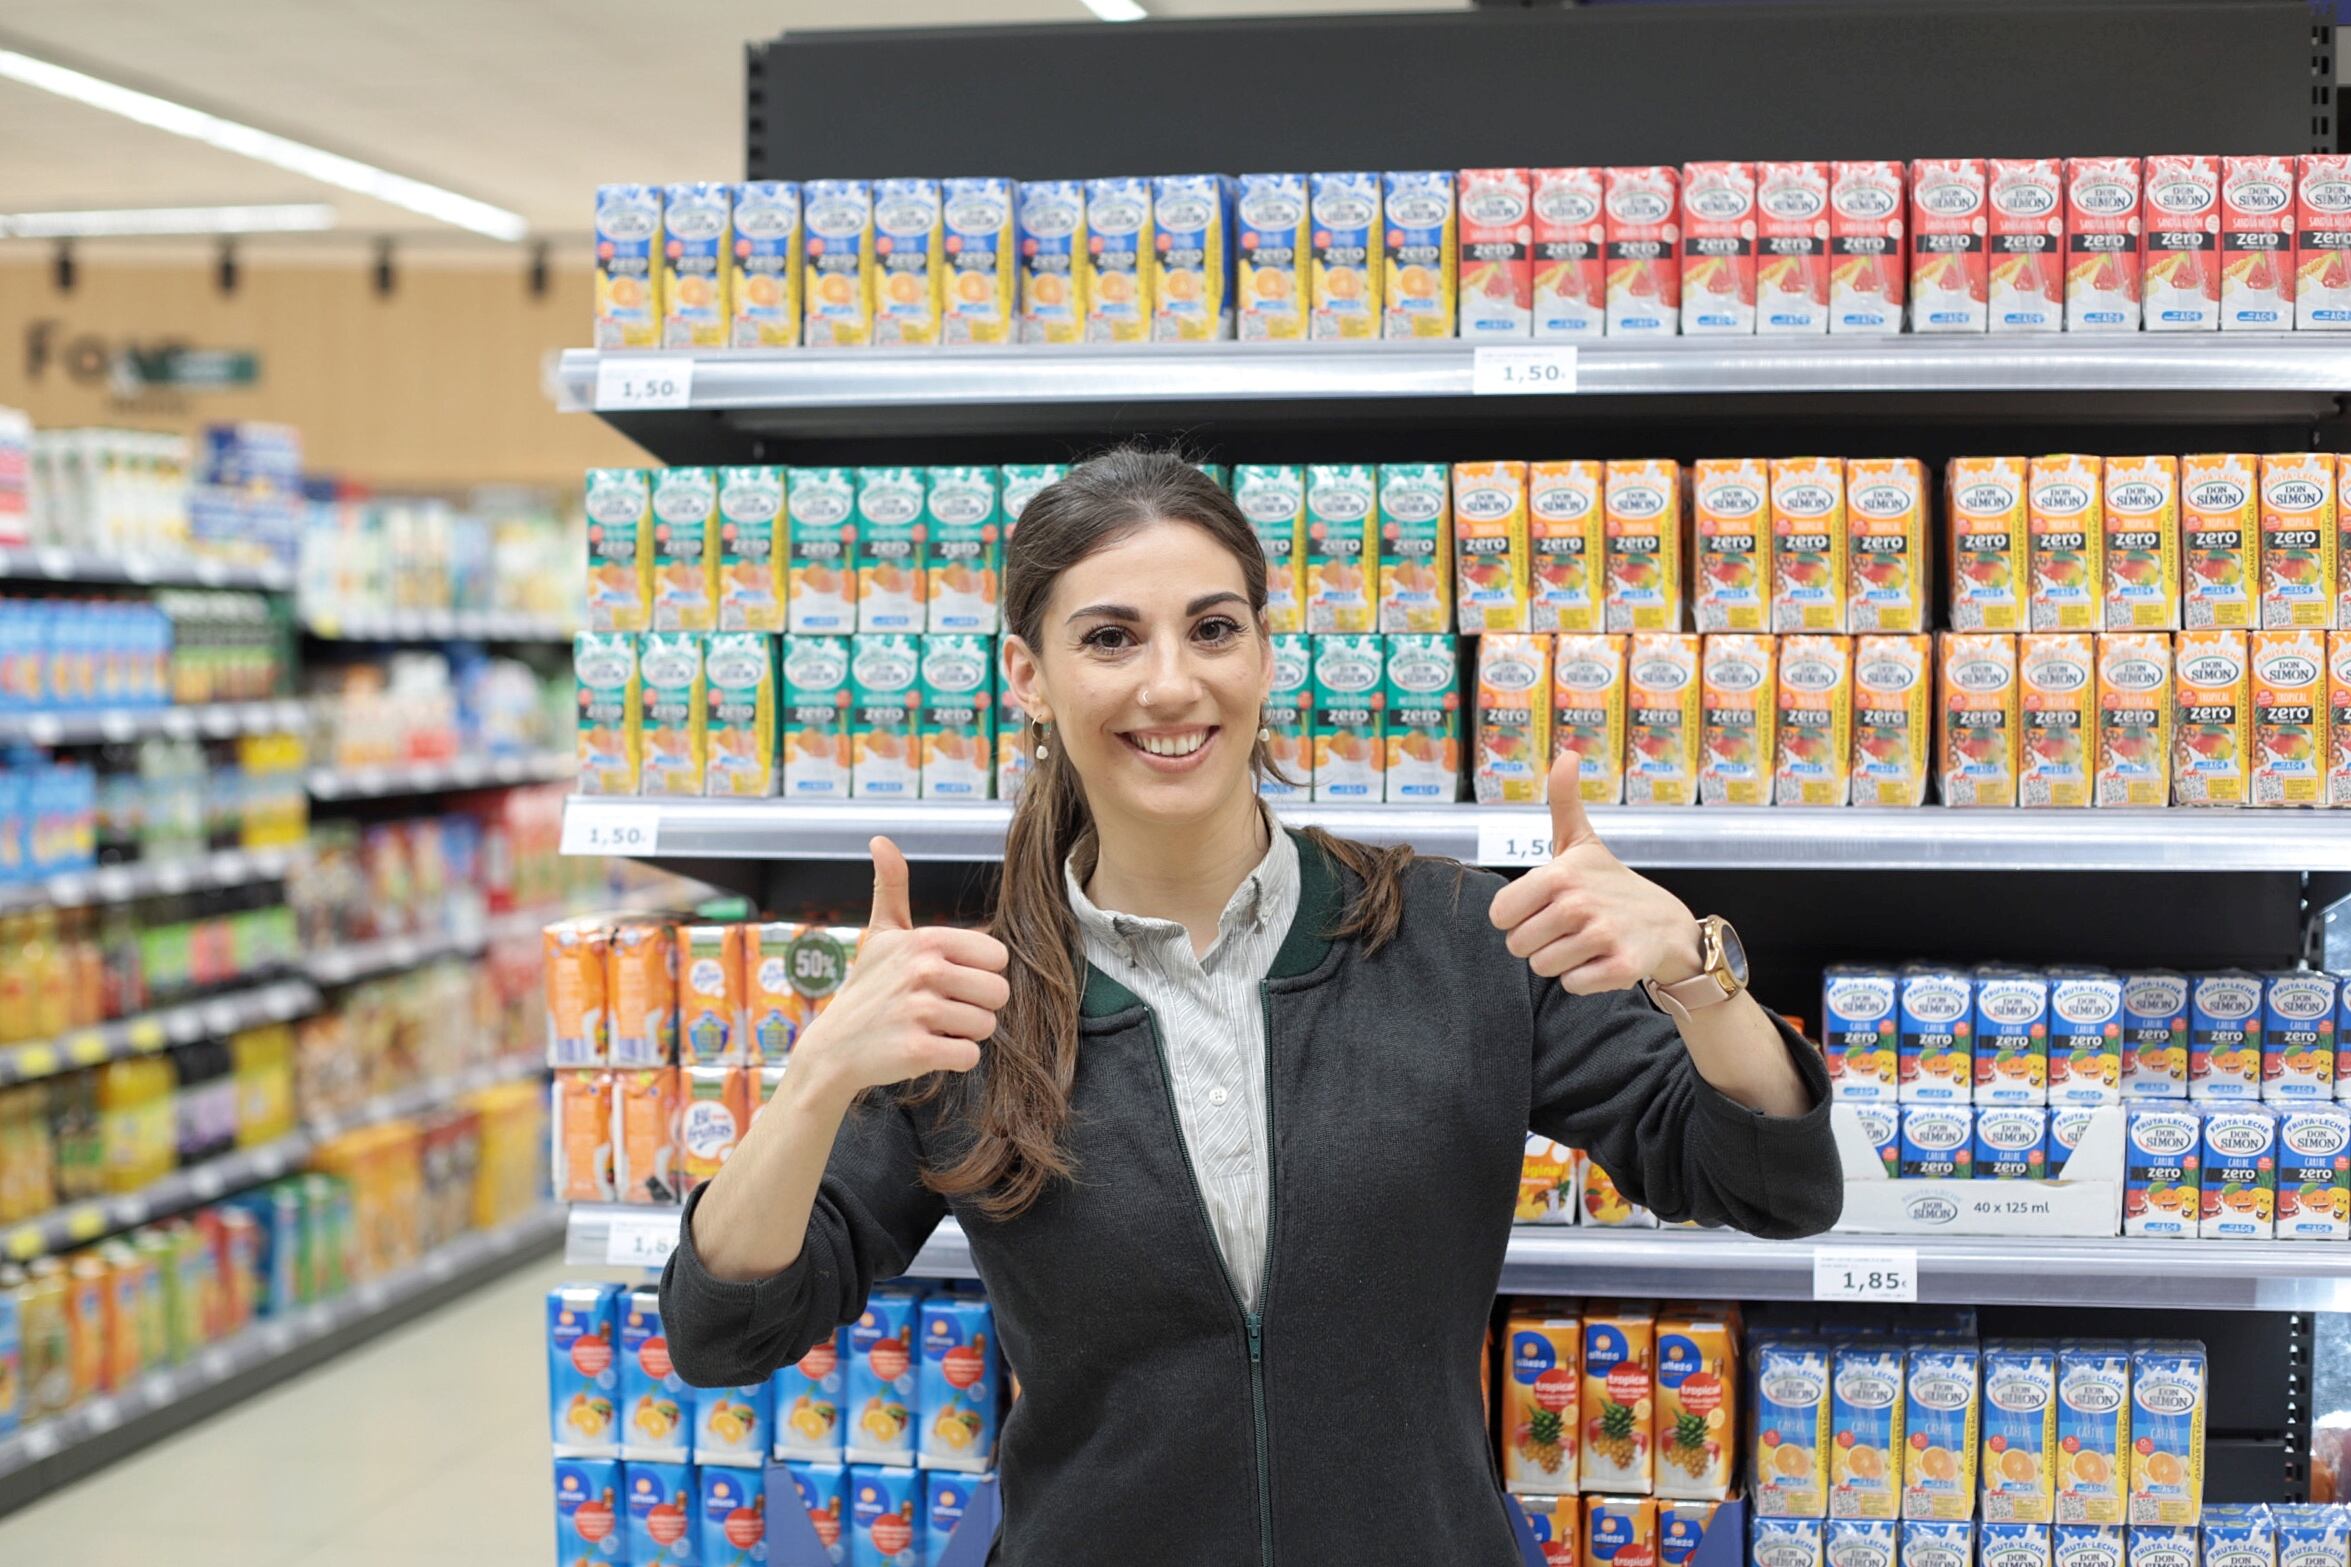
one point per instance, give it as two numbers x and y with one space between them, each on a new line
1161 1423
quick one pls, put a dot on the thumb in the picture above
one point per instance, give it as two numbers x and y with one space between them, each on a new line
891 910
1570 825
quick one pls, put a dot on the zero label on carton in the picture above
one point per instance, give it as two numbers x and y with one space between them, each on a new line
1865 1273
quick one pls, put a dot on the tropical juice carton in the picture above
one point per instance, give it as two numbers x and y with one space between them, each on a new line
2102 244
1415 549
2012 1036
1788 1542
2085 1035
2020 1433
2239 1535
620 549
2168 1400
1116 264
821 569
2161 1169
956 722
1812 745
2154 1035
2322 242
1273 498
732 1427
2339 718
2057 692
2288 686
1570 260
672 738
2314 1172
1567 544
979 281
763 273
1732 583
2064 522
957 1384
2298 540
1865 1413
816 718
962 549
2220 522
1540 1418
884 717
1490 546
752 533
1891 735
698 225
889 549
880 1396
583 1381
1644 279
885 1516
2012 1544
1050 233
1642 515
2180 244
1933 1542
1858 1032
1618 1401
2298 1037
1349 755
1696 1403
1344 262
656 1406
1935 1142
611 711
628 278
1588 712
1271 285
2141 546
1512 762
1342 548
1949 272
1867 254
1718 248
2211 695
1661 719
1790 1450
2256 244
1289 719
1620 1531
1191 265
1496 273
2026 244
1791 247
1886 536
837 283
2224 1036
2239 1199
1738 704
1422 697
2134 719
1417 254
2310 1534
2093 1431
1988 543
1935 1033
1941 1400
713 1026
2149 1546
685 549
1978 718
1557 1524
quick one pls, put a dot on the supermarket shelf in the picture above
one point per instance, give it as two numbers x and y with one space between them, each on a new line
28 563
211 721
276 1002
463 772
392 954
425 1097
436 625
97 1433
151 878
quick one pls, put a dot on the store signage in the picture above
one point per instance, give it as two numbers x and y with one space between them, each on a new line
129 366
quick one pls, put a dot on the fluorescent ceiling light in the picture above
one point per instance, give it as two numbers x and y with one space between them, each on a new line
329 168
1117 10
298 218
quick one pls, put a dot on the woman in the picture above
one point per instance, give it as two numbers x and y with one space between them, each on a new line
1237 1160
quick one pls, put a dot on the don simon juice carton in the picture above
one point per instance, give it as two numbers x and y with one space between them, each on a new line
816 718
2147 1545
2057 698
1289 719
2168 1400
1617 1403
1271 289
1343 255
1792 1430
611 711
821 571
2298 1037
1192 258
2064 515
1418 253
1865 1418
1422 721
1661 719
2238 1534
1643 522
1732 523
1868 259
1858 1032
2314 1172
2339 718
2224 1036
2287 680
1935 1036
1490 546
583 1379
1342 548
1567 546
837 281
2220 529
1697 1401
1496 272
1785 1542
1570 287
889 549
763 273
956 720
2012 1036
980 278
1541 1393
2154 1035
1643 206
698 224
1718 248
1049 230
628 267
1791 248
1588 712
2162 1169
1513 757
620 549
2085 1035
673 737
962 549
1941 1405
2239 1198
2026 244
1886 532
2256 244
2209 737
2020 1433
1977 717
2093 1431
1809 544
1949 277
2322 242
752 535
884 710
1738 713
1349 753
1989 577
2012 1544
957 1384
2310 1534
1812 734
2298 540
2140 552
1115 265
2102 244
1273 497
2180 244
1931 1542
1415 548
1892 738
880 1393
685 549
2134 719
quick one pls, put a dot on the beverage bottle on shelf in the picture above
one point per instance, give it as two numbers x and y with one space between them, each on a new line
124 989
121 803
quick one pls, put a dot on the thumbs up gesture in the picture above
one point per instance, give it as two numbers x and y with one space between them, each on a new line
1586 919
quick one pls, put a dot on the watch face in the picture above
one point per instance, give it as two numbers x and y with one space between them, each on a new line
1734 952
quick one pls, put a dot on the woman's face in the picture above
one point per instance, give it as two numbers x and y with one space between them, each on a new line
1153 671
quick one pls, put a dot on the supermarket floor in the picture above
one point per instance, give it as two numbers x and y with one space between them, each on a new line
429 1444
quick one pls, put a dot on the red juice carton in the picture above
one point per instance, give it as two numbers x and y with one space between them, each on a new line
1949 279
880 1395
2256 244
2085 1036
2093 1430
2026 244
1791 248
2224 1036
1942 1401
1497 268
658 1509
2011 1142
2012 1544
1569 267
2012 1036
2314 1173
1418 253
1050 233
1935 1033
1343 254
2020 1432
957 1386
1116 262
2179 244
2102 244
583 1374
1270 282
1868 259
587 1511
2311 1534
2154 1035
1859 1542
1192 265
1718 248
807 1395
2322 242
2298 1037
1936 1542
2239 1535
1774 1541
2150 1546
2168 1400
1791 1432
1643 206
1858 1031
1865 1415
730 1519
2162 1170
1936 1143
885 1516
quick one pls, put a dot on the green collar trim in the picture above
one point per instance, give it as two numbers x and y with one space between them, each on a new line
1302 950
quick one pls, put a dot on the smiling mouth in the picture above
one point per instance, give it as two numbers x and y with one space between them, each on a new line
1173 745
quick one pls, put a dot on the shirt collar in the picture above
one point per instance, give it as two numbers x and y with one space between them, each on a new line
1266 896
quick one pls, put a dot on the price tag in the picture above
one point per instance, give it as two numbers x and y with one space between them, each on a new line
641 1240
1521 372
596 827
1521 838
1865 1273
629 383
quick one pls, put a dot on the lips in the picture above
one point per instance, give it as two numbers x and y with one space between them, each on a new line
1169 744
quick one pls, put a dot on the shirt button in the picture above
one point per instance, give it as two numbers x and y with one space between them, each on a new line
1216 1096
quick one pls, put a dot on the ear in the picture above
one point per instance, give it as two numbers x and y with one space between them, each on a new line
1022 676
1264 663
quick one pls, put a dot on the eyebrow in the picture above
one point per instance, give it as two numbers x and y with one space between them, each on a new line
1129 612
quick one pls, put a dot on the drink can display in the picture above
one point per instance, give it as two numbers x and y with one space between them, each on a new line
1643 206
1567 544
1570 285
1731 576
2134 719
2026 244
1718 249
2256 244
1986 501
1588 712
1791 248
1497 270
2322 242
2140 552
1868 258
1949 279
2102 244
1738 705
2180 244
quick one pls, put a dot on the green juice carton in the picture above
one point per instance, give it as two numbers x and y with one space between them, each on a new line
1273 497
739 691
956 726
751 536
604 669
816 718
962 549
1347 718
1422 698
1416 547
685 549
1342 549
620 550
821 568
889 549
1020 484
884 698
1289 719
669 663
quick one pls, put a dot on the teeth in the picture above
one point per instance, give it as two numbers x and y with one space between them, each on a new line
1171 745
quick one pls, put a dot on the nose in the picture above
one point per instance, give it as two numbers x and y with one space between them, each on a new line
1170 678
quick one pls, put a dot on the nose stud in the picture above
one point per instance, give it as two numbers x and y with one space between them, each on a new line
1146 696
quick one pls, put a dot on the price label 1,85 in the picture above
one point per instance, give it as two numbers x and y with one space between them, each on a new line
1523 372
1865 1273
641 1240
595 827
624 382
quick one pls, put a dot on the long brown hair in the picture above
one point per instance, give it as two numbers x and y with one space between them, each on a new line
1014 1149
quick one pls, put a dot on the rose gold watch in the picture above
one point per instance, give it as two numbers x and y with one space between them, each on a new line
1722 972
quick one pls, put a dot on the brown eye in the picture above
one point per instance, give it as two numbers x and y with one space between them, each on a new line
1107 639
1218 629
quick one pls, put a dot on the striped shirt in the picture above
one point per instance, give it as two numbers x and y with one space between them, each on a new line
1212 1027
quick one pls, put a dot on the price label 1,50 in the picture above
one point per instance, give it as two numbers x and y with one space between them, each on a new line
641 1240
1522 842
1865 1273
594 827
1523 372
624 383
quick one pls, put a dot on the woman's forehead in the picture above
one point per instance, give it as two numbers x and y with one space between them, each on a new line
1163 559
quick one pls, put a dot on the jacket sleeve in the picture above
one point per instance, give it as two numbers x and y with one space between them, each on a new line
872 1214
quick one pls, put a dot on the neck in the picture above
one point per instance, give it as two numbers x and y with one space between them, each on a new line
1185 872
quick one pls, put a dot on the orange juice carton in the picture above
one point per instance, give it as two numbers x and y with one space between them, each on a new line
956 722
2288 684
962 549
1271 283
1344 260
580 1119
1540 1418
2256 244
816 718
1892 689
1788 1542
1557 1524
713 1028
620 549
674 736
837 281
2064 519
1936 1143
807 1397
2085 1035
1588 712
714 1109
2298 540
1661 719
1192 258
730 1431
1273 497
2057 690
1342 548
2322 242
1618 1402
628 268
1349 755
2149 1546
1718 248
2224 1036
2093 1431
1570 254
2012 1036
1696 1404
1422 697
1620 1531
881 1397
1886 528
1858 1031
1790 1450
2298 1037
1289 719
1791 248
1497 272
1978 718
1935 1035
641 982
1731 545
956 1386
1550 1178
1812 745
1941 1404
1739 703
2238 1534
2211 694
1021 483
1050 231
2154 1035
2134 719
2339 718
2168 1398
1867 254
2102 244
2310 1534
890 537
978 280
611 711
685 549
774 1011
1605 1206
1642 514
1865 1413
2012 1544
2314 1173
2220 522
1117 260
1417 253
1988 543
1935 1542
730 1517
885 699
574 954
752 537
763 272
1490 546
2180 244
2161 1169
1513 758
1567 543
1415 549
2343 543
2239 1199
1682 1526
698 237
1949 274
886 1522
656 1404
2020 1433
2025 244
2141 547
821 550
1644 279
644 1154
583 1379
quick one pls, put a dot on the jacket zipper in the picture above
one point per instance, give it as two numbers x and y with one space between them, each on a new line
1273 1189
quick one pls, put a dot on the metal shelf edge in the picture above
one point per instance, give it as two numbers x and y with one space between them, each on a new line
275 1001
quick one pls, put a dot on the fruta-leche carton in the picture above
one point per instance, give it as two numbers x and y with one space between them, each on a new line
1791 248
2224 1036
1935 1035
1343 255
1422 696
2154 1035
2322 242
1567 546
1273 497
698 238
1049 230
1588 712
628 274
816 718
1416 549
2298 540
2150 1546
1417 253
2026 244
956 721
739 681
1791 1429
2287 682
2298 1037
763 273
1789 1542
1289 719
1738 708
2168 1399
1540 1419
2310 1534
1496 269
2239 1534
1731 545
2180 244
2240 1173
1618 1451
2012 1036
620 549
1940 1409
1865 1418
2019 1432
1935 1542
2012 1544
2057 692
1115 266
2134 719
1490 568
685 549
837 282
2102 244
1643 512
1718 249
2093 1430
1661 719
962 549
1349 756
1986 498
2161 1168
2220 526
672 738
1342 548
1570 297
2141 547
1270 284
1886 530
2211 694
752 533
2064 514
885 701
611 712
1809 543
1812 746
2339 718
1892 738
2314 1173
980 280
1868 259
1513 756
1643 206
1977 718
1858 1032
1949 277
821 569
1192 259
2256 244
2085 1035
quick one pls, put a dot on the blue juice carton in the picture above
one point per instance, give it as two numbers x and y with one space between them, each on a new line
957 1388
2312 1534
658 1503
2154 1035
15 1396
1865 1421
628 266
1343 255
1117 260
2020 1433
2085 1036
885 1516
2086 1545
2011 1036
1419 256
2240 1535
2093 1431
1937 1542
2238 1200
2168 1399
1858 1031
945 1497
1941 1399
880 1395
2298 1037
734 1425
1191 263
2162 1170
1935 1035
807 1397
837 282
980 278
1859 1542
1938 1143
2314 1173
698 221
730 1519
763 285
2011 1142
587 1512
2224 1035
1050 230
824 1495
656 1406
1784 1542
2343 1023
1882 1125
1271 289
1791 1430
583 1382
909 256
2066 1125
2150 1545
2013 1545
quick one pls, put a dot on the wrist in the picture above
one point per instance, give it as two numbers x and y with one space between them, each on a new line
814 1084
1685 955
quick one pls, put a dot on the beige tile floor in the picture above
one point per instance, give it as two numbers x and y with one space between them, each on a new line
428 1445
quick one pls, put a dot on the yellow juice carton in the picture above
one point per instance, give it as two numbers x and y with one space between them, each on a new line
1643 519
909 261
604 669
1273 497
1549 1176
884 701
1940 1407
2298 540
837 282
1791 1428
1271 285
2142 545
1986 500
1423 719
1587 712
1415 548
1620 1529
1117 260
2020 1433
2288 687
1619 1402
672 737
978 282
698 221
739 683
962 549
752 537
957 722
1886 544
2134 719
2057 696
1342 548
1738 705
711 1020
1892 734
1731 559
685 549
1191 267
1865 1419
1812 747
628 275
1418 254
1606 1206
1539 1415
2209 742
816 718
2339 718
1808 544
1050 231
1661 719
1490 546
889 549
1349 756
1976 718
821 551
2220 532
2064 521
1697 1403
763 274
1344 263
1289 720
620 549
2168 1399
1511 764
2093 1430
1566 543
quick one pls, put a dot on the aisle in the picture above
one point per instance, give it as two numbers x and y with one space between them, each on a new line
429 1444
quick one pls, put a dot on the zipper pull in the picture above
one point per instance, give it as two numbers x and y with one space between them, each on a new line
1256 1338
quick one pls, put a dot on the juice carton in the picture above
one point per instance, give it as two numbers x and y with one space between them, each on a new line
1550 1177
714 1110
2057 692
730 1522
2149 1546
644 1144
2180 244
1273 498
1791 1430
1490 546
1117 260
1949 273
774 1012
2020 1433
956 720
579 1107
946 1497
1050 231
1732 521
1588 712
2211 695
1643 206
957 1384
1642 512
880 1396
837 283
2012 1544
1865 1413
1792 228
611 713
2141 545
1289 719
656 1405
824 1494
1696 1403
2288 686
2026 244
2162 1169
628 279
1682 1526
1988 543
884 713
1940 1404
2298 1037
2134 719
2085 1036
1812 746
2093 1431
1936 1143
731 1426
1935 1036
752 534
2167 1448
1418 254
1607 1207
2310 1534
1540 1418
1858 1032
1886 537
1343 259
763 272
1661 719
583 1383
674 728
2102 244
712 1025
2298 540
2220 515
1271 285
698 225
2256 244
2239 1200
1618 1448
1978 717
685 549
739 723
1882 1125
980 277
1867 255
2012 1036
1342 548
2322 242
1786 1542
816 718
1497 271
2342 544
1718 248
1570 261
1739 709
1620 1531
2154 1035
2239 1535
885 1516
889 549
1933 1542
1348 708
2224 1036
1557 1524
819 510
1415 550
574 954
1567 541
587 1511
620 549
1191 282
1513 758
2064 521
1422 697
1891 735
2339 718
962 549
